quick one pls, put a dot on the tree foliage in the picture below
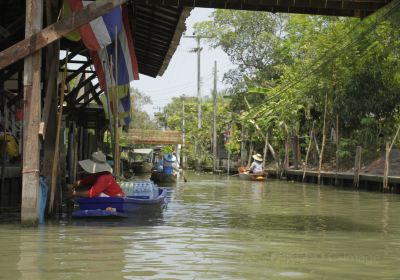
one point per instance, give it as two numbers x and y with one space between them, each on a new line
289 67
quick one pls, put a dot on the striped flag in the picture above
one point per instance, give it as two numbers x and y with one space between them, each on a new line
127 68
126 61
101 37
124 106
100 32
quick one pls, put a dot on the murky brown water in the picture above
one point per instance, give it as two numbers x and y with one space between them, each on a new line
216 228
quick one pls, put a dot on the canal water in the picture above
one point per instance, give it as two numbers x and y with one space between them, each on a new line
220 228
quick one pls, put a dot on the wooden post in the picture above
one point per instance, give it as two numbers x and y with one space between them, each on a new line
357 167
32 108
243 146
4 141
286 159
265 151
337 151
321 155
295 148
386 168
308 151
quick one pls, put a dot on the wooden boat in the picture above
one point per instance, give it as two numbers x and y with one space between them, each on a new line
160 177
119 206
245 175
140 160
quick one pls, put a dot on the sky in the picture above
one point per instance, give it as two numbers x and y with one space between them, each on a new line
181 75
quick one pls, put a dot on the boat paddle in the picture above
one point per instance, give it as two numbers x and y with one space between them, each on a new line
183 176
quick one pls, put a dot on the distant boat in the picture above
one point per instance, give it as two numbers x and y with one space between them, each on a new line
122 206
160 177
245 175
141 161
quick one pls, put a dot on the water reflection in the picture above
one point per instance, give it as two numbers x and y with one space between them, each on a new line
220 228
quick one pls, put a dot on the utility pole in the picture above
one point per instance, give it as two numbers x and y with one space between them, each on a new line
183 131
183 123
198 51
215 118
198 85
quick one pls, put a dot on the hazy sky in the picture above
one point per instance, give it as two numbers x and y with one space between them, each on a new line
181 74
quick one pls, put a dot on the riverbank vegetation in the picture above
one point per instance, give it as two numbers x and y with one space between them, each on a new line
310 88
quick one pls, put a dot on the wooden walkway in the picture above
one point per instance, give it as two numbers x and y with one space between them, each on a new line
370 182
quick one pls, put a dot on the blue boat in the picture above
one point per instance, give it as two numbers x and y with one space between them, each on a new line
123 207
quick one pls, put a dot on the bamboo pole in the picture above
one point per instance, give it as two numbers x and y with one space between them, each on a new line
357 167
116 105
114 121
387 161
265 151
56 156
321 156
308 151
337 151
108 94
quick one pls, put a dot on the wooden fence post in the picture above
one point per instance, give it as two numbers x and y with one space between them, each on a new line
386 168
357 167
308 151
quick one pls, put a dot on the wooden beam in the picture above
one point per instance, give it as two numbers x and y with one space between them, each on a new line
38 40
79 70
32 107
91 90
73 94
94 96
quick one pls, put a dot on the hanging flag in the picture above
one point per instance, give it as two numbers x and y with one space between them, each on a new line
124 106
101 31
65 12
126 61
123 68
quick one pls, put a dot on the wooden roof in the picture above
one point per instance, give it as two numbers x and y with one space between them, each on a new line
140 136
156 31
348 8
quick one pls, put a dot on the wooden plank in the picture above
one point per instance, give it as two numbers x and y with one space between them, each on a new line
38 40
32 107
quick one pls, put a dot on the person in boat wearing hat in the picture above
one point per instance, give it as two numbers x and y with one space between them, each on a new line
170 164
256 166
100 182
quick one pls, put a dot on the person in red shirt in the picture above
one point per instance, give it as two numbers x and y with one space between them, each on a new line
100 181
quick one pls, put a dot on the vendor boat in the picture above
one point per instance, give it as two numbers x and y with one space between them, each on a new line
144 196
245 175
160 177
